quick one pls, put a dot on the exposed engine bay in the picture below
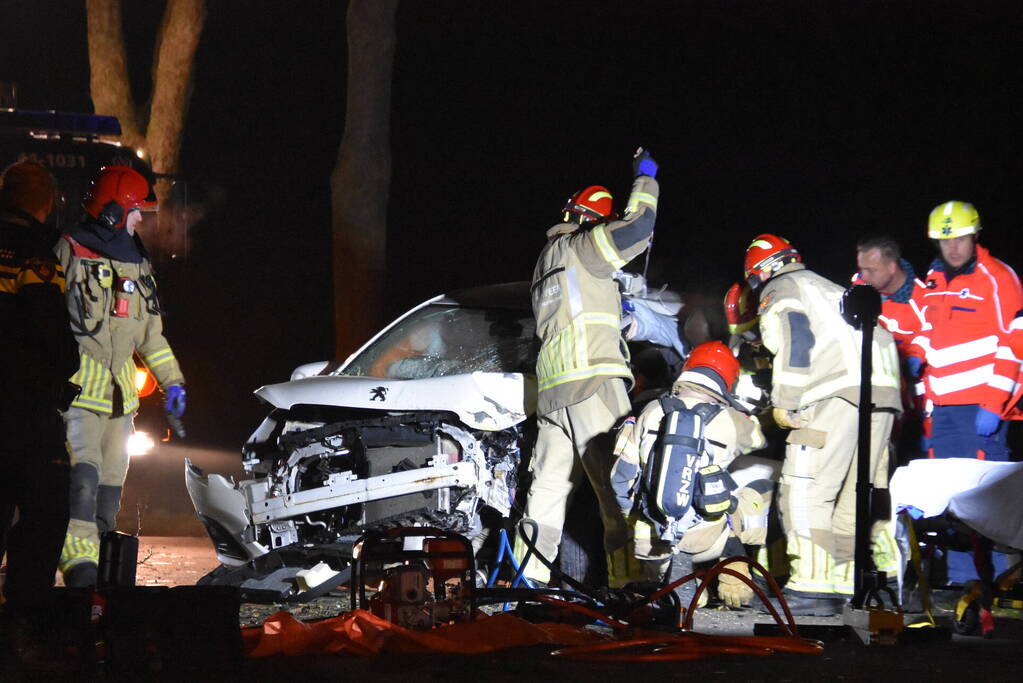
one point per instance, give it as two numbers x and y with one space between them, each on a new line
323 475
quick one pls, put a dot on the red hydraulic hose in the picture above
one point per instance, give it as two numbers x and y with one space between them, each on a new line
689 645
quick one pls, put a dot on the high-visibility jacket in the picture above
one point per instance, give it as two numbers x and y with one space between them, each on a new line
577 304
965 338
107 342
902 315
1014 351
902 310
816 353
38 355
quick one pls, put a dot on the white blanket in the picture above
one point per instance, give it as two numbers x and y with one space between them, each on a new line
987 496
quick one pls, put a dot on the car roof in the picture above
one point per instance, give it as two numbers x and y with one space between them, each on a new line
512 295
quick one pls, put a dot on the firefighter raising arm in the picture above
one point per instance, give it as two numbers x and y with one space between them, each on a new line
609 246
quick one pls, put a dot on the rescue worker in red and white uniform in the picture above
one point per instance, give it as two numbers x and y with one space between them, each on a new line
1014 349
963 349
114 310
582 369
815 393
881 266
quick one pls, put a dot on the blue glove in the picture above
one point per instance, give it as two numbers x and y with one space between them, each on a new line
175 402
644 164
914 364
655 327
987 422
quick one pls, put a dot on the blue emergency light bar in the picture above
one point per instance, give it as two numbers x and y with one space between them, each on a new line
58 122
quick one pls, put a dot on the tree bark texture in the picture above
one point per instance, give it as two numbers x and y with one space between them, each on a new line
172 80
360 182
158 132
108 68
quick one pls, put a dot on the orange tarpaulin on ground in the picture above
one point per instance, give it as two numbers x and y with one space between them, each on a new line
360 632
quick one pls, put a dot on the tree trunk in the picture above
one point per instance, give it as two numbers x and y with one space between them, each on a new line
108 68
172 79
156 134
360 183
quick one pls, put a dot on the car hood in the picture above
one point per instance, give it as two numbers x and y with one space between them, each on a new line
489 401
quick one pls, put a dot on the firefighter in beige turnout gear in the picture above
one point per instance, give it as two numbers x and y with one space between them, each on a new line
815 394
582 368
111 297
709 377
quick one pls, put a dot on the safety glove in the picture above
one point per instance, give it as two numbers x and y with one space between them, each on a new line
175 401
986 422
788 419
732 591
643 164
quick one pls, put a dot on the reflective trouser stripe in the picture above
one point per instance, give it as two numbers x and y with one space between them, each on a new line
814 570
811 566
77 550
623 567
885 549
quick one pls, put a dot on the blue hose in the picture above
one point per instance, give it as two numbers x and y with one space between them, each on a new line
505 550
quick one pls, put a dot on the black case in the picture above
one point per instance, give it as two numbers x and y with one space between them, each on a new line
118 555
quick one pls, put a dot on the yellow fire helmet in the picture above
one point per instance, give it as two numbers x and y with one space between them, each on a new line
953 219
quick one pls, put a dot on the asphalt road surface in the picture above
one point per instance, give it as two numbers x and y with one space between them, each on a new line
180 561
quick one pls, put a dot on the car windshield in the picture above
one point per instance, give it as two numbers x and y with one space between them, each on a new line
442 339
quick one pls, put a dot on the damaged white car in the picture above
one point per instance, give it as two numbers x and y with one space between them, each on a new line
427 424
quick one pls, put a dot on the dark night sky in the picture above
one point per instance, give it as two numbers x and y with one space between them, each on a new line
816 120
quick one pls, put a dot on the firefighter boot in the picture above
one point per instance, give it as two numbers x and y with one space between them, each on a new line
82 575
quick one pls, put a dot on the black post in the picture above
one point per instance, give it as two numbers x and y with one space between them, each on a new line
860 307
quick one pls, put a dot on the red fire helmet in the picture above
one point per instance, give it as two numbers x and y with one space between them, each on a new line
592 204
114 192
765 255
715 356
740 308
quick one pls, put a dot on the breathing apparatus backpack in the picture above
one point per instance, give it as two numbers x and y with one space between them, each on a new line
678 484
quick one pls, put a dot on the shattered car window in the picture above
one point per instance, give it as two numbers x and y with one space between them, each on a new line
440 340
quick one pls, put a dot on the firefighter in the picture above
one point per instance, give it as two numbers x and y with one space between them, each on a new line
722 527
111 297
963 350
881 266
38 355
815 394
582 369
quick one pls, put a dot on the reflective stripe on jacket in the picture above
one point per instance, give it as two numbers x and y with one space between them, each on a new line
902 311
966 339
107 342
816 353
576 301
